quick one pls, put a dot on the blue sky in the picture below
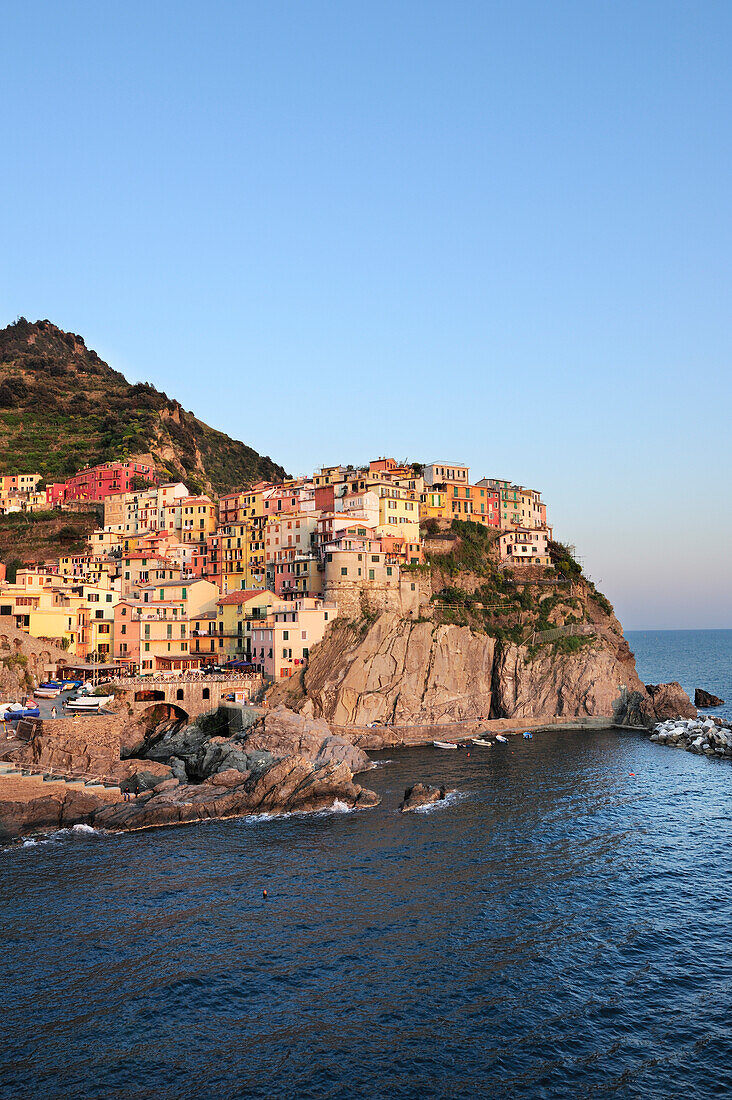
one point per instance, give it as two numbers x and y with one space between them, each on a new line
496 233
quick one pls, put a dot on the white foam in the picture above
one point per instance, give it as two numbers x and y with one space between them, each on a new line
449 800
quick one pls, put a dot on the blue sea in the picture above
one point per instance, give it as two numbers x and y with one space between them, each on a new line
696 658
558 928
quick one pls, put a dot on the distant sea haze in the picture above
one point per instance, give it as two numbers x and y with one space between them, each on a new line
696 658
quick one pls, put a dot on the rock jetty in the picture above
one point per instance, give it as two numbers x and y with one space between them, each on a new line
707 736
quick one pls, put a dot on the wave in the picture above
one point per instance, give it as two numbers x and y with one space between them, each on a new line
338 807
58 836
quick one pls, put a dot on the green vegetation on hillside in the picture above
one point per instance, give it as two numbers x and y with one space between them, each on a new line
27 537
62 407
470 589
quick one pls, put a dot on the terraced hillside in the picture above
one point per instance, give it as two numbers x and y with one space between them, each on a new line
62 407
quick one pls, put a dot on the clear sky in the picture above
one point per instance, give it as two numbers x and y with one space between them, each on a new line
496 233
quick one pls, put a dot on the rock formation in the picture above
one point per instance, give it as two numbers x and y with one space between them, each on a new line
287 762
705 699
408 672
420 795
670 701
292 784
284 733
707 736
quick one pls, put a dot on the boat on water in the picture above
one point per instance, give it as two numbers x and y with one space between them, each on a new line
501 738
528 736
482 742
444 744
89 702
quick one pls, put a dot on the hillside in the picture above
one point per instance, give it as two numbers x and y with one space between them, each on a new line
62 407
38 537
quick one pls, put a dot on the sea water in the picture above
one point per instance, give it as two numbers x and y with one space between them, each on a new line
559 928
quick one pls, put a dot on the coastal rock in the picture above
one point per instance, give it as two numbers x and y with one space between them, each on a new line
294 784
283 732
59 810
421 794
670 701
705 699
707 736
594 681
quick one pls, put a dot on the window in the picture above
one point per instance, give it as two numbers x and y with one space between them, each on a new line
286 635
371 574
147 647
344 571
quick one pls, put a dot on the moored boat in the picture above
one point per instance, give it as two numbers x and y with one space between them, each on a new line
501 738
482 742
444 744
89 702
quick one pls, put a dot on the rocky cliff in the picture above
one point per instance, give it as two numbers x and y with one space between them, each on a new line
406 672
483 643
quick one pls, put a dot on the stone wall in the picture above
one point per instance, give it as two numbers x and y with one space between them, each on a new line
406 594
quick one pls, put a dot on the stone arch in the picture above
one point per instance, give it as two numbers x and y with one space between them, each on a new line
206 693
179 693
149 695
158 713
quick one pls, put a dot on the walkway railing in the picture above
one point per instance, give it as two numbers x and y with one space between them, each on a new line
572 630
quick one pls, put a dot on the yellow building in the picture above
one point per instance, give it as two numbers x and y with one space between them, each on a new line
236 614
398 512
433 504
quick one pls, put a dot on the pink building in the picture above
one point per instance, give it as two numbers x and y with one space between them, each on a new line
97 482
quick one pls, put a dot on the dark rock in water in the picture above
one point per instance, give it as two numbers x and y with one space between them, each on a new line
704 698
670 701
421 795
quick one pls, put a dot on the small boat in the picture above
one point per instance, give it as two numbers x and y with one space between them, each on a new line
47 691
70 685
528 736
444 744
21 712
482 741
501 738
89 702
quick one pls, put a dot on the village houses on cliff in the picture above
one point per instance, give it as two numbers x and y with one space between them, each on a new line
173 581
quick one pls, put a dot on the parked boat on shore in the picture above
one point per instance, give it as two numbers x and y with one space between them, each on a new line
89 702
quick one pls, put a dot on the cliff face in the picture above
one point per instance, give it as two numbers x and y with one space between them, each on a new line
422 672
400 671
